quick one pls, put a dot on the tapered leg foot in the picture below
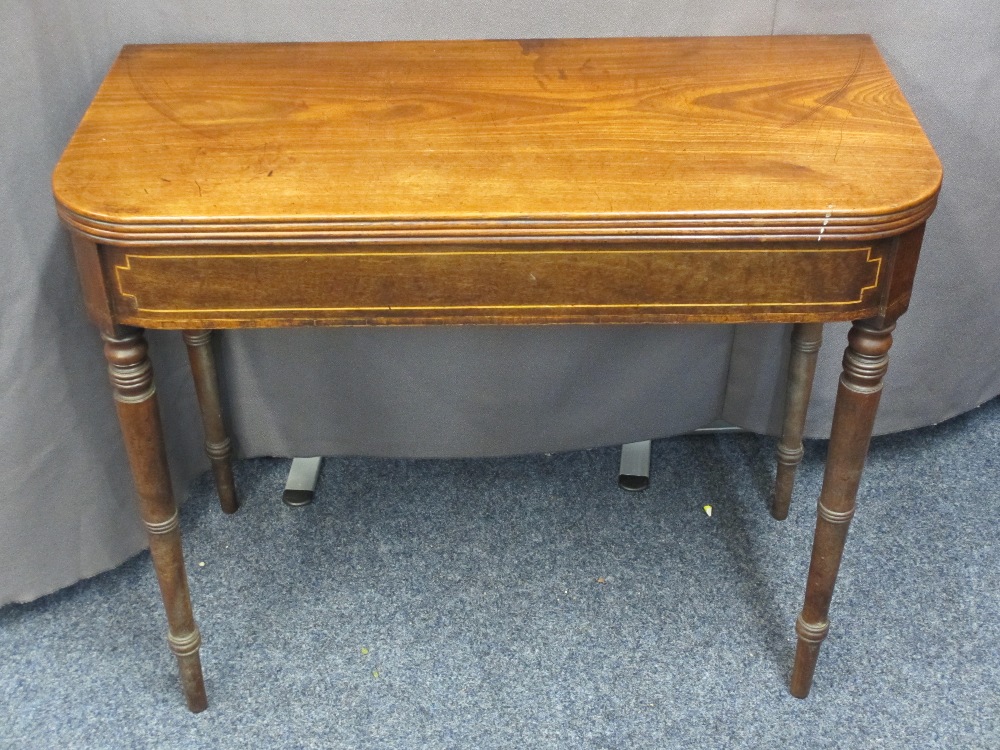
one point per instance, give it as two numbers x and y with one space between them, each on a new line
865 364
217 443
139 415
806 340
806 654
189 666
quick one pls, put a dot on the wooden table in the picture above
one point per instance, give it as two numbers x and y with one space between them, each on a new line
710 180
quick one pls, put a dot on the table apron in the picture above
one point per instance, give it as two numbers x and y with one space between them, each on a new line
178 286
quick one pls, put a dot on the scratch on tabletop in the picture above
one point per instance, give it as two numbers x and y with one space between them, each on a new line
830 98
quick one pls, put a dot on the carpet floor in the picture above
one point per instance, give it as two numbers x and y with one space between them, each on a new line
528 602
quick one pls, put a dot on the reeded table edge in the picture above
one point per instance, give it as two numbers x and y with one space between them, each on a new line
719 227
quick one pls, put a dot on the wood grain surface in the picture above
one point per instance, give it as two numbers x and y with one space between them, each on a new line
732 138
542 181
539 283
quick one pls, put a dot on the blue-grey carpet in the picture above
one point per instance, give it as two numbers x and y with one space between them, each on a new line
528 602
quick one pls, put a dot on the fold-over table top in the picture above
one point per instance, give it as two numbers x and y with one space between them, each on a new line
798 137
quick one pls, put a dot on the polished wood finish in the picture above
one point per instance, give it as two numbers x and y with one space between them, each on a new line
865 363
806 340
777 137
217 443
774 179
139 415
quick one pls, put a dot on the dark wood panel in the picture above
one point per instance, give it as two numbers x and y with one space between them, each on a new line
523 285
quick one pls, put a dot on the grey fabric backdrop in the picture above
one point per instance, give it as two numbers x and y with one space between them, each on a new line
66 509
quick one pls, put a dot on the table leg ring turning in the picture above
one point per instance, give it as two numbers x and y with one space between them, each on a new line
184 645
218 447
865 363
806 341
186 648
139 417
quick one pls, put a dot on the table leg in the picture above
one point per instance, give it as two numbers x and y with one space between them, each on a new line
806 340
217 443
139 415
865 363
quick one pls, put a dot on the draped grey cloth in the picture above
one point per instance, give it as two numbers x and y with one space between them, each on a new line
66 508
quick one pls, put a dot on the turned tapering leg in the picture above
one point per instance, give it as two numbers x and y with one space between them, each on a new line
806 340
865 363
217 444
139 415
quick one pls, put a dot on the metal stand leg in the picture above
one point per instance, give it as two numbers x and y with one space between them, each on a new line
301 484
633 472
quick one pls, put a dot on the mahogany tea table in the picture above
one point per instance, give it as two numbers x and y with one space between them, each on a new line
534 182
